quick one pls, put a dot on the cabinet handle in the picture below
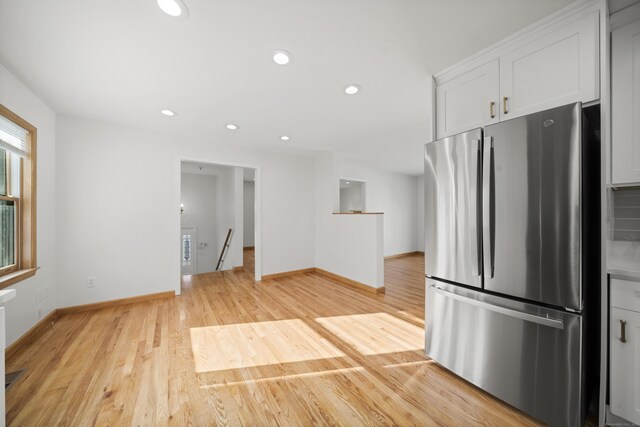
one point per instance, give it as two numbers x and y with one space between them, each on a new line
491 109
504 104
623 333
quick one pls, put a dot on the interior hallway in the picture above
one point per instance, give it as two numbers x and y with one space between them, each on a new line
299 350
249 259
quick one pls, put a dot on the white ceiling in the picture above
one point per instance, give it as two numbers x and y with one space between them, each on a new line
122 61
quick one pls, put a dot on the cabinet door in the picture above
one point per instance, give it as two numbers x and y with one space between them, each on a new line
558 68
625 81
625 364
464 103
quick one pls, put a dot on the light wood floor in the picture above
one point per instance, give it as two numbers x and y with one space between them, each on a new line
296 351
248 259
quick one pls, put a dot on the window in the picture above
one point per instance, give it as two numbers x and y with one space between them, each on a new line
186 250
17 198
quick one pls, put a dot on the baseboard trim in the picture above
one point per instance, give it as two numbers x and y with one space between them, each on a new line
208 272
406 254
288 273
113 303
335 277
350 282
35 331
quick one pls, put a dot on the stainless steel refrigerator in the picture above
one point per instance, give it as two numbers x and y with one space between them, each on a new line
512 260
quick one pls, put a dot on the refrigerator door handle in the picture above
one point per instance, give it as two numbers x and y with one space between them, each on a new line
545 321
488 207
476 203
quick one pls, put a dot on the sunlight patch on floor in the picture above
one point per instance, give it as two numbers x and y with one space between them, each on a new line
246 345
375 333
285 377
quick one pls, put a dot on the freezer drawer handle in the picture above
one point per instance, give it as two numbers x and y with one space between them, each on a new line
623 331
545 321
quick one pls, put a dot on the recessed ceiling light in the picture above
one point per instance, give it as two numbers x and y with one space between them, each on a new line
352 89
231 126
168 113
281 57
285 138
348 182
173 8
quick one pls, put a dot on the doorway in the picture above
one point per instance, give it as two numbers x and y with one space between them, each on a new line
218 200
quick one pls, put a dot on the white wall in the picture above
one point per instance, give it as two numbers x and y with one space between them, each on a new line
355 248
237 243
22 312
348 245
421 218
395 195
198 193
248 217
119 208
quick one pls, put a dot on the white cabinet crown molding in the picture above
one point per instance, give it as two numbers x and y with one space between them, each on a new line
625 16
562 17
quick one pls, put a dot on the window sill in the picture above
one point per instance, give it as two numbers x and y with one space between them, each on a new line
15 277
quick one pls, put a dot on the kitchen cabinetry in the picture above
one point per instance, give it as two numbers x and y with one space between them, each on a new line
556 69
549 68
625 349
468 102
625 81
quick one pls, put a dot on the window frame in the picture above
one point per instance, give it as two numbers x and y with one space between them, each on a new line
26 224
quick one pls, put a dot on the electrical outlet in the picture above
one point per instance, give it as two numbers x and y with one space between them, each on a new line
41 295
91 282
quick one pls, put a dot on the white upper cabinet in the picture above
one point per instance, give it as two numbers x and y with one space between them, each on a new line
625 115
551 63
468 101
555 69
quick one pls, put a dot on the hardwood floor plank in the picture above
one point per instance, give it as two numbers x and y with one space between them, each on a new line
291 351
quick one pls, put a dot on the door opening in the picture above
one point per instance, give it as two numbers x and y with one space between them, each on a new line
213 198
